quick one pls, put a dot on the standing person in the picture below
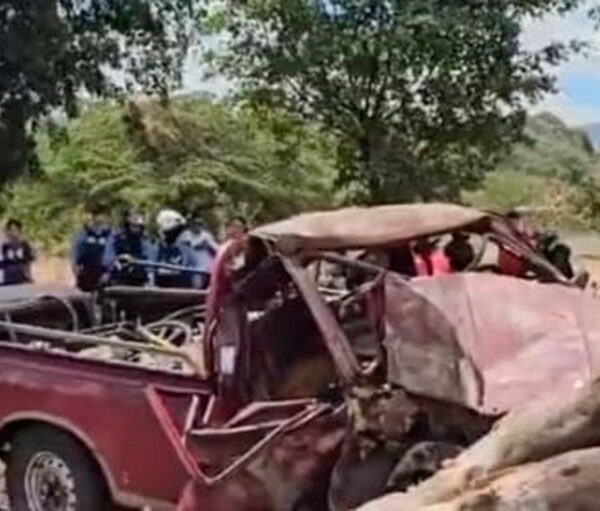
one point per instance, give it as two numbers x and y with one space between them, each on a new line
17 255
173 251
130 242
203 245
509 262
88 250
236 229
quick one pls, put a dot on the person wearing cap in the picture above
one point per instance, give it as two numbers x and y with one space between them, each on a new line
203 245
174 251
125 247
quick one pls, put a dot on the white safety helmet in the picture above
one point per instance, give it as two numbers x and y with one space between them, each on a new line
168 219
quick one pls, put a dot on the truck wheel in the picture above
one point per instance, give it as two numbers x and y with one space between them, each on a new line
48 470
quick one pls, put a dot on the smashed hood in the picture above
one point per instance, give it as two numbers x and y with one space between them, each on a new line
488 341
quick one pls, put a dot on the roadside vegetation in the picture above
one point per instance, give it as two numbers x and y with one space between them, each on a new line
232 161
335 102
195 154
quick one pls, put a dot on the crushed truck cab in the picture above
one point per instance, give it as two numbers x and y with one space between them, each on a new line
318 374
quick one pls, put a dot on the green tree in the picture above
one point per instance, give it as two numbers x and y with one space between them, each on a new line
51 51
189 154
424 95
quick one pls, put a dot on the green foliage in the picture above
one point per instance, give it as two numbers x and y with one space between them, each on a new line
423 95
554 150
52 50
192 154
555 172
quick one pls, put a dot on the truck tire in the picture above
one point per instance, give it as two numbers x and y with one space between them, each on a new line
49 470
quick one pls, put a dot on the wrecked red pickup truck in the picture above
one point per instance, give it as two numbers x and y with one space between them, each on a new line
318 375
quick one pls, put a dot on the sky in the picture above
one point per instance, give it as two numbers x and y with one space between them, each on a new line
578 99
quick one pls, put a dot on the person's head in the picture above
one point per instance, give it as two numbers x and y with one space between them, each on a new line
14 230
236 229
459 252
196 223
169 223
546 241
99 218
134 222
516 220
425 246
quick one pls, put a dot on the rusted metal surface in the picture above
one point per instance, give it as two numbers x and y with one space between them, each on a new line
291 473
333 336
366 227
488 341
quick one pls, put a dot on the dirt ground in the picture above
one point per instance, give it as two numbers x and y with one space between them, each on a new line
49 269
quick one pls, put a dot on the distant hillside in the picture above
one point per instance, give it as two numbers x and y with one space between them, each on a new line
555 150
556 170
593 132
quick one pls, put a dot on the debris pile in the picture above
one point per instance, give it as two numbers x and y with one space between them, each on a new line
543 455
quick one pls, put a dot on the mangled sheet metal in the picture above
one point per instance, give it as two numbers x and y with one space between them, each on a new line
356 227
489 341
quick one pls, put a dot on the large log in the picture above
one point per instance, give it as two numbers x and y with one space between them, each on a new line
548 427
569 482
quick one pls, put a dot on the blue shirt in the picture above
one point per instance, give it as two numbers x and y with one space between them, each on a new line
88 247
204 247
177 254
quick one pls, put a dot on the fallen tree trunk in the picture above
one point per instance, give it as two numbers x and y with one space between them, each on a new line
569 482
545 428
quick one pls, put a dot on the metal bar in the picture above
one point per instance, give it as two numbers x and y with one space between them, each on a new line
262 406
189 419
162 266
333 336
226 431
72 337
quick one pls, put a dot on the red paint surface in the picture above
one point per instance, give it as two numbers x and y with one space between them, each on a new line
104 406
526 338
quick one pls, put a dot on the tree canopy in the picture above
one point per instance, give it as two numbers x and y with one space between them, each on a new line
424 95
192 154
52 51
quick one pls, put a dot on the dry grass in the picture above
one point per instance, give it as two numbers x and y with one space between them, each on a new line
48 269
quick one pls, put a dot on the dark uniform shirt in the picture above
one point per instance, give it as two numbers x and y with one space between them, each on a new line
16 262
139 247
88 253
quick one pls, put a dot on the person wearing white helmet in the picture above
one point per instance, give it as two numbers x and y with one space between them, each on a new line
174 251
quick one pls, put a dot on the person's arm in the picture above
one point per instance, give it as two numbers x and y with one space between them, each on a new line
150 254
212 242
76 248
110 255
190 260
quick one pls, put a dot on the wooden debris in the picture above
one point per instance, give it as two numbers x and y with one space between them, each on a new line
548 427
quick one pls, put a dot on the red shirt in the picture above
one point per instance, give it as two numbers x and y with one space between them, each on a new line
435 263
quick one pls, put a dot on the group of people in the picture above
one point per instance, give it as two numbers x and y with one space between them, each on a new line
180 257
428 256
